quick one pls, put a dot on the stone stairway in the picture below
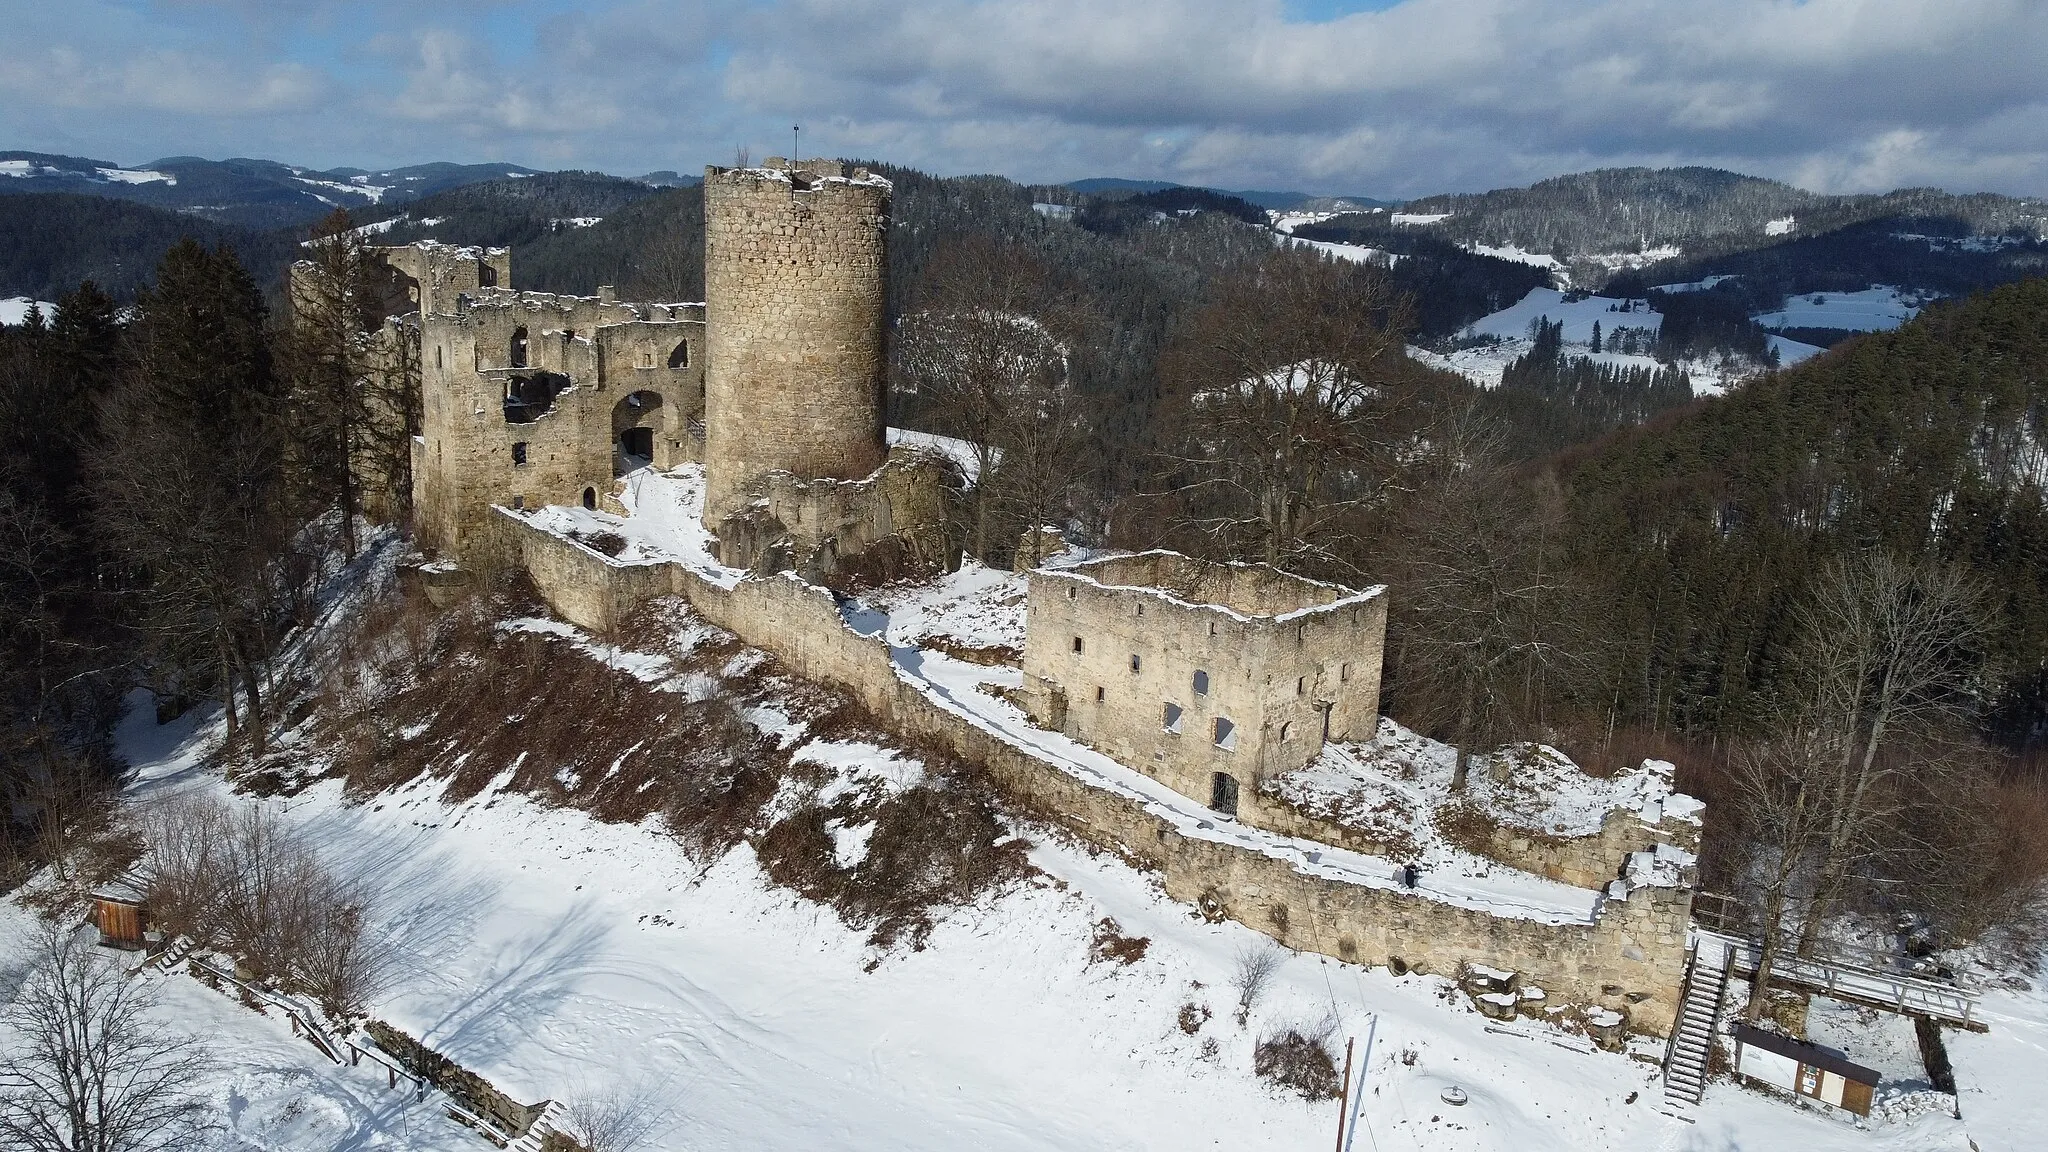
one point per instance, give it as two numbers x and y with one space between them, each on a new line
553 1114
1699 1017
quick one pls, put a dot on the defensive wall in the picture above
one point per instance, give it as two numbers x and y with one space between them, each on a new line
1208 677
1630 957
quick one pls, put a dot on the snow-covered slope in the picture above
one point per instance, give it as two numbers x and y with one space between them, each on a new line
563 957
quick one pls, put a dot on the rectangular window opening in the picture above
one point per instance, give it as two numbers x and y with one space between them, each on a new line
519 453
1226 734
1201 682
1077 645
1171 719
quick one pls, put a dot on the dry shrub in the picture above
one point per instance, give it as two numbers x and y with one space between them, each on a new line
988 655
939 844
1193 1016
1464 825
1299 1061
1111 944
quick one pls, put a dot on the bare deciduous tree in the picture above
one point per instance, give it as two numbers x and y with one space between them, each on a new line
1486 627
87 1069
1284 389
988 359
1252 973
241 881
616 1117
1889 649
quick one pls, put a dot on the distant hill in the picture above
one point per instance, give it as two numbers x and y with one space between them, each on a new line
51 241
1707 525
249 193
508 212
1279 201
1601 219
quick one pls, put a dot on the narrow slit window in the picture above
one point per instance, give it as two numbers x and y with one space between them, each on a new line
519 452
1077 645
1201 682
1301 685
1286 732
1212 627
1098 693
1170 720
1135 662
1343 673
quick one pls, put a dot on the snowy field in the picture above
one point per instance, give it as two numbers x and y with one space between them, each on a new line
561 956
1877 309
14 309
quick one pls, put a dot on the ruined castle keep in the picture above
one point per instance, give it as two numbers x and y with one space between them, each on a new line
794 284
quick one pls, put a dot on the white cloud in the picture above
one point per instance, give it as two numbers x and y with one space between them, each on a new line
1425 96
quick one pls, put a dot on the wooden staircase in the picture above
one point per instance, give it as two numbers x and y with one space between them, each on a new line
1699 1018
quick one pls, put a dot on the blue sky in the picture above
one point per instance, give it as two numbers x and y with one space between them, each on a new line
1388 97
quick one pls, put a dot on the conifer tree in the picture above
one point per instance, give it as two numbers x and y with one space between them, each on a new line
193 499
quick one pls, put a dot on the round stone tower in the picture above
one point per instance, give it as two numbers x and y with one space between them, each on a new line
795 261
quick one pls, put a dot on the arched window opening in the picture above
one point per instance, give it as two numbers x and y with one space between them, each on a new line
636 421
680 357
1201 682
590 498
519 347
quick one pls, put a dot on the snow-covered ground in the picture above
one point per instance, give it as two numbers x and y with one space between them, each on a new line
1356 253
1875 309
14 309
1578 316
562 957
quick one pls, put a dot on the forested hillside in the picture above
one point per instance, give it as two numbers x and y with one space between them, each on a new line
52 241
1702 210
1704 529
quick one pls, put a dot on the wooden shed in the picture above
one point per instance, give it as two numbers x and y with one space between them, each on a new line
120 911
1803 1069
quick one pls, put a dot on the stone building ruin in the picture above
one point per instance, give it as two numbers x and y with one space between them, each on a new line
774 384
1212 678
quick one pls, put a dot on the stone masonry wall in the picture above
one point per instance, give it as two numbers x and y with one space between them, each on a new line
1631 959
616 359
794 280
1105 662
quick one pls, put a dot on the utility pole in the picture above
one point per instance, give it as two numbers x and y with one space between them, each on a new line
1344 1097
794 151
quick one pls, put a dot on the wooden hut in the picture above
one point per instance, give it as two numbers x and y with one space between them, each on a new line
120 911
1803 1069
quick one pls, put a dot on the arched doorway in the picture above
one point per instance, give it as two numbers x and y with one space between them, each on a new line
638 423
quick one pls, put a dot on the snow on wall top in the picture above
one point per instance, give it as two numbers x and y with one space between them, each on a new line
1323 597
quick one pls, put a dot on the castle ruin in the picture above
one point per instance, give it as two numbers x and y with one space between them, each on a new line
1219 722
